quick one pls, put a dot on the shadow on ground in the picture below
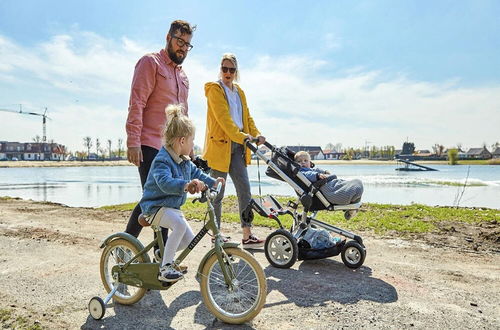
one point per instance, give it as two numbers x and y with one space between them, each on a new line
319 281
314 283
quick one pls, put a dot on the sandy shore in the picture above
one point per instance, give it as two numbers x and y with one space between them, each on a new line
63 163
10 164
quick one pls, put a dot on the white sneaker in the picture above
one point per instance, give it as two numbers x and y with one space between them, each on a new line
169 274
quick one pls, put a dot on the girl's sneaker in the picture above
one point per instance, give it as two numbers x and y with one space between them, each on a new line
169 274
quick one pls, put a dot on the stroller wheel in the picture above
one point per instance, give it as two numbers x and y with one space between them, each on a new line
353 254
281 249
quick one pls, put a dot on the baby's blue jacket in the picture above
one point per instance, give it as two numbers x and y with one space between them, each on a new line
166 180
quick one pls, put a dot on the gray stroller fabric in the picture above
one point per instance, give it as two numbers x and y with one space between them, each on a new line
342 192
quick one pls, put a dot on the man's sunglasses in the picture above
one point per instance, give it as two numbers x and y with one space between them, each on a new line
182 43
225 69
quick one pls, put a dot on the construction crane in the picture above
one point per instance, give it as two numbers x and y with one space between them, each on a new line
44 118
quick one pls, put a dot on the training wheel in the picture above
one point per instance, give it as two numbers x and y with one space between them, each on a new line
97 308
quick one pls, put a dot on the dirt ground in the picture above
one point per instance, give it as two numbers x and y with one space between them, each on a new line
49 269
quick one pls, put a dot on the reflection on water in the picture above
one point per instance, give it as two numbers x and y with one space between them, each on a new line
97 186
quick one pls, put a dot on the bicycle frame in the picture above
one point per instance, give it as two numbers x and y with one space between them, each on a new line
144 274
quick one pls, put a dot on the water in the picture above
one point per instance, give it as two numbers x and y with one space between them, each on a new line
107 185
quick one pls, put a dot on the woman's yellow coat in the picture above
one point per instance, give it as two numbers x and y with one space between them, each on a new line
221 129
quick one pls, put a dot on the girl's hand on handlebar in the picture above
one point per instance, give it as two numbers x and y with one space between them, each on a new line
195 186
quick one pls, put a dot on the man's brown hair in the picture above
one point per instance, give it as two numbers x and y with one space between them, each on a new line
182 26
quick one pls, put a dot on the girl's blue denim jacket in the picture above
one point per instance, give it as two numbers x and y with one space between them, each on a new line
167 177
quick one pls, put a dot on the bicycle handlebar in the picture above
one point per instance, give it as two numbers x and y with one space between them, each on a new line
209 192
214 193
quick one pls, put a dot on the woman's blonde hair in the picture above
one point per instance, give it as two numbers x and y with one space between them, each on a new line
230 57
178 124
302 154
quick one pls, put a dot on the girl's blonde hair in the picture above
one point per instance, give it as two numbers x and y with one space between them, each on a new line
302 154
178 124
232 58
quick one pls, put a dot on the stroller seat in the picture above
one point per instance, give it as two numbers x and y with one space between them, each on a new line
309 193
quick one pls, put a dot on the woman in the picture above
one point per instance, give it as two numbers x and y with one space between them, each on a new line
229 124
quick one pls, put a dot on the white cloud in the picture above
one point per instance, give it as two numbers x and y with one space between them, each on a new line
86 80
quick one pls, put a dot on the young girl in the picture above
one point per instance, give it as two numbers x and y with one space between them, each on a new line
171 176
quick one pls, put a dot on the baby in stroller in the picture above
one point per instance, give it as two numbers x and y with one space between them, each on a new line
336 191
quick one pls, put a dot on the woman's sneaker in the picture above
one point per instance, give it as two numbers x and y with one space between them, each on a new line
252 242
169 274
348 215
225 239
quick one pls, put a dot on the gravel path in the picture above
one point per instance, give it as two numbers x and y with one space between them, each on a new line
49 269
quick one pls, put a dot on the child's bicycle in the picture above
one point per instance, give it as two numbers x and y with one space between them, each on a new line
232 283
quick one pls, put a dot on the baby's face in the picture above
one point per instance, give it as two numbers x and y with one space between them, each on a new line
304 162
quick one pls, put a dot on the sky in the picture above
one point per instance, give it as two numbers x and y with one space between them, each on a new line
356 73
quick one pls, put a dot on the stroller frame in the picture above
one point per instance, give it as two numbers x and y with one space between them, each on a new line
285 242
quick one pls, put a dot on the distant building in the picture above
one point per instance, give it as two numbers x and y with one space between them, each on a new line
423 153
315 151
496 153
31 151
479 153
332 154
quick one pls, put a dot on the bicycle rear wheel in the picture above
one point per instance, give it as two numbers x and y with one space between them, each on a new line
246 299
119 251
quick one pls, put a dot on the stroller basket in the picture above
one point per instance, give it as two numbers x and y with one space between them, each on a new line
307 253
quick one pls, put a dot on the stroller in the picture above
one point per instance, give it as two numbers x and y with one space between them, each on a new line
284 247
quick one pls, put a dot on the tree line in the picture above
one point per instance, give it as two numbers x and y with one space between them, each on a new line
101 149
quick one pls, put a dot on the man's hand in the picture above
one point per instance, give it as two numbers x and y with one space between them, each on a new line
134 155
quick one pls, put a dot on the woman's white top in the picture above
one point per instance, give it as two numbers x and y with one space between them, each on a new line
233 98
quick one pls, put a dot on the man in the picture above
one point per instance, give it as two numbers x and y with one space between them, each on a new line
158 81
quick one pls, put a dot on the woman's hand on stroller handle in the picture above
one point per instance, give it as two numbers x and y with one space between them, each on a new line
257 140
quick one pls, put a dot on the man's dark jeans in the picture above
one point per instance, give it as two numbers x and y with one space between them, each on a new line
133 226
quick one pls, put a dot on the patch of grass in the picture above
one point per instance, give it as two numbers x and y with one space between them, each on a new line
5 315
380 218
9 321
120 207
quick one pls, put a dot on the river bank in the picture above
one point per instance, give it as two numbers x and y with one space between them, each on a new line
50 270
123 162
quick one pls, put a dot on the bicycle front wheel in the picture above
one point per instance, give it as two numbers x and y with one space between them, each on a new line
245 299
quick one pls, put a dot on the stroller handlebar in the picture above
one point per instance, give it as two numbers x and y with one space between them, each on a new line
250 144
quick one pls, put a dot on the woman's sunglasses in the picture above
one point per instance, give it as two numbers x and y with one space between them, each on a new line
225 69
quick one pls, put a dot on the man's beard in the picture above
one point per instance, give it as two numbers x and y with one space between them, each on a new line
173 56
